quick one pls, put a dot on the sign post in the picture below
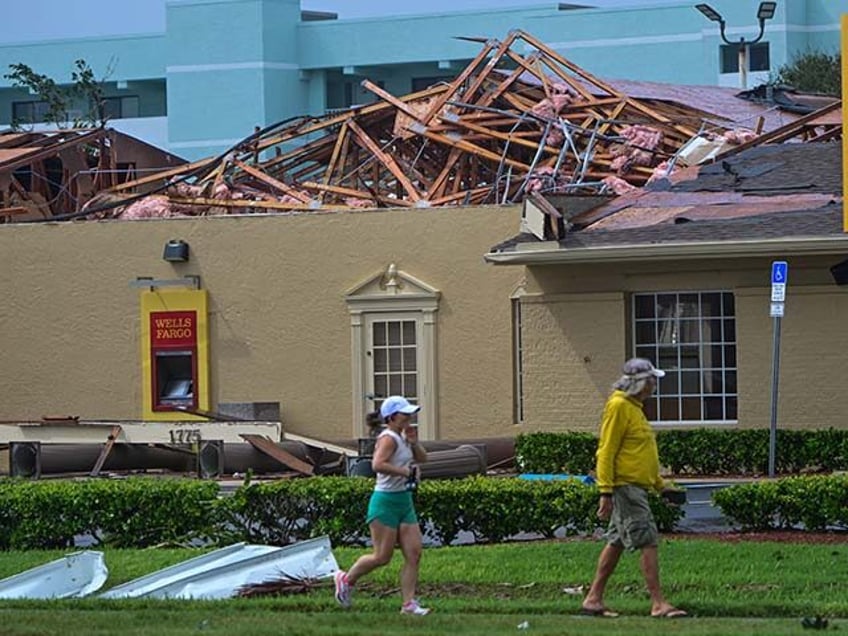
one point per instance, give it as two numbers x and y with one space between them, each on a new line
779 272
844 46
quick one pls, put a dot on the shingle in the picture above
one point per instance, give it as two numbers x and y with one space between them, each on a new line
798 193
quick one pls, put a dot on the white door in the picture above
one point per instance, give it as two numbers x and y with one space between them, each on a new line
393 357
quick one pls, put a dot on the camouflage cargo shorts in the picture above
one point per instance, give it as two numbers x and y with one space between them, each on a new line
632 524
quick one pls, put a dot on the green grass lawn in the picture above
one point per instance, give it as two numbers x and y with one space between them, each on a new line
730 588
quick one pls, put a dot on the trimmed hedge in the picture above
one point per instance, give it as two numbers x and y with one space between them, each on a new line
813 502
140 512
700 451
137 512
556 453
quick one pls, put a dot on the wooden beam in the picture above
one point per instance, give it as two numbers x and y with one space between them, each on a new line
358 194
161 176
72 141
243 203
107 448
339 153
483 75
319 443
474 149
437 188
455 85
269 448
559 59
341 118
507 137
385 159
12 211
271 181
460 196
394 101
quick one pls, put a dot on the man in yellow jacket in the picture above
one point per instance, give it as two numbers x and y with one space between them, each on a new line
627 468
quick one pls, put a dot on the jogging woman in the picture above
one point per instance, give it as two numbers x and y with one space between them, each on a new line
391 513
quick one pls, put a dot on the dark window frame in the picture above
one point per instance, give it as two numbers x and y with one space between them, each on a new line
692 336
758 58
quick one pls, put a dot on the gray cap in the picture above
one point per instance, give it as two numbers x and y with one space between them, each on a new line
638 368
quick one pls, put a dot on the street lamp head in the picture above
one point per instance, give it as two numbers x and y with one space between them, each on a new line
712 14
766 11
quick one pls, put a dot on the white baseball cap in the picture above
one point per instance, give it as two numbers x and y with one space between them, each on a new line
397 404
641 368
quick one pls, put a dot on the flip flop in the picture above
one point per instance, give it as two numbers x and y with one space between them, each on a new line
671 612
598 612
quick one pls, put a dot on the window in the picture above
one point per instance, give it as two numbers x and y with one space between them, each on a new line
692 336
393 338
393 357
758 57
29 112
121 107
517 364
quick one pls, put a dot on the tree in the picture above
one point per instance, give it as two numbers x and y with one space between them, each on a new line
59 99
813 72
55 96
90 89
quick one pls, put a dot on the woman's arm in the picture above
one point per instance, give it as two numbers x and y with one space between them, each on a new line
383 451
418 451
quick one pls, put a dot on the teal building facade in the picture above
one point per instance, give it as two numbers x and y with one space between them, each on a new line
223 67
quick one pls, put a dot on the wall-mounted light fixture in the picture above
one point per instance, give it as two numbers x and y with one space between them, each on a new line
176 251
764 12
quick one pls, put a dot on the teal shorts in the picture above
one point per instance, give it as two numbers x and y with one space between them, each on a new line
391 508
632 524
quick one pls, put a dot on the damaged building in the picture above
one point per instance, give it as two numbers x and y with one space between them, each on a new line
324 263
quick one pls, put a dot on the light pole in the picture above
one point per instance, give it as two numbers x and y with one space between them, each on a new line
765 12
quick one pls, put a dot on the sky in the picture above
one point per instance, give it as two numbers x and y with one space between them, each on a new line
39 19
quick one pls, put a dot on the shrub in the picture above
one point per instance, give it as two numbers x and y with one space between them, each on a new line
697 451
141 512
814 502
569 453
134 512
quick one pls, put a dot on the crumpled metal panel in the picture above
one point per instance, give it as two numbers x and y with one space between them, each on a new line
222 573
75 575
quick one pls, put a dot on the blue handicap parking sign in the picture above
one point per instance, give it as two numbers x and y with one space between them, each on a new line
779 271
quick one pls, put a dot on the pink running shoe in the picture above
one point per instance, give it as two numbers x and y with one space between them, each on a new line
413 607
342 588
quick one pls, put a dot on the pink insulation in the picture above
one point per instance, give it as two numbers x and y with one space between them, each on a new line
637 150
155 206
739 136
353 202
660 172
643 137
618 185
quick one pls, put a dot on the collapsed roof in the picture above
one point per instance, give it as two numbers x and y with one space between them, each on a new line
508 125
44 174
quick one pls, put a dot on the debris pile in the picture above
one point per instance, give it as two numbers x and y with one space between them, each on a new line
44 174
509 124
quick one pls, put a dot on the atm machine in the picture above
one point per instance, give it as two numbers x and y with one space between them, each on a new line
174 354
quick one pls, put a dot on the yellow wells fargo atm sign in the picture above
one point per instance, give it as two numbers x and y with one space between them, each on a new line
174 354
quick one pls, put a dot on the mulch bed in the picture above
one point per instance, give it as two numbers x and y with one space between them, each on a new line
776 536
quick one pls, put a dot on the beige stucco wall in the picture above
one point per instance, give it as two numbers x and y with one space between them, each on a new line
279 325
576 335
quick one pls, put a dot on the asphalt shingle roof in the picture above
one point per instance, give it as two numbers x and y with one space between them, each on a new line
790 190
